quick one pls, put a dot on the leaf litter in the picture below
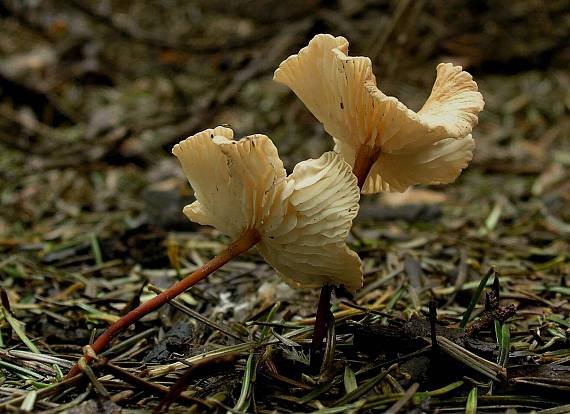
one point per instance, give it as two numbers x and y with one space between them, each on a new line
91 221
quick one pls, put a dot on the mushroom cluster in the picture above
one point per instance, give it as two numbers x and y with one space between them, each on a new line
300 222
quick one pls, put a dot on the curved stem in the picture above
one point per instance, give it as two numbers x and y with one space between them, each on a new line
247 240
319 331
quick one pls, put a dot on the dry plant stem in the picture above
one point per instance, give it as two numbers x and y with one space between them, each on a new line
366 156
247 240
320 327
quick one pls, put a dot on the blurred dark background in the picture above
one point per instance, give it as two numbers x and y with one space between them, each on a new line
95 94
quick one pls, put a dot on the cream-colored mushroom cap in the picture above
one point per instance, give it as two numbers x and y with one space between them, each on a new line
430 146
303 219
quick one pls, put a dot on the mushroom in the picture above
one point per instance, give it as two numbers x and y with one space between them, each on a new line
389 146
298 222
302 219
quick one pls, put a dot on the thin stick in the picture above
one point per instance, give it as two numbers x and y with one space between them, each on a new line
432 323
198 316
320 328
140 383
247 240
208 367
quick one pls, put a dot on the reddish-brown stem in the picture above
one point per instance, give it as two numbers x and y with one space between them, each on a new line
247 240
366 156
320 328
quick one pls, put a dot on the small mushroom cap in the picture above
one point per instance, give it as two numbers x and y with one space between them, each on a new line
303 219
341 92
231 179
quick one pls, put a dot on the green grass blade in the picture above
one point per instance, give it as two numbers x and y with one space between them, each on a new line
265 331
471 406
349 380
505 345
96 249
498 332
30 401
476 297
364 388
17 327
243 401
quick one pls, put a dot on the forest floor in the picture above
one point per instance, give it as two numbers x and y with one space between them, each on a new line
466 294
